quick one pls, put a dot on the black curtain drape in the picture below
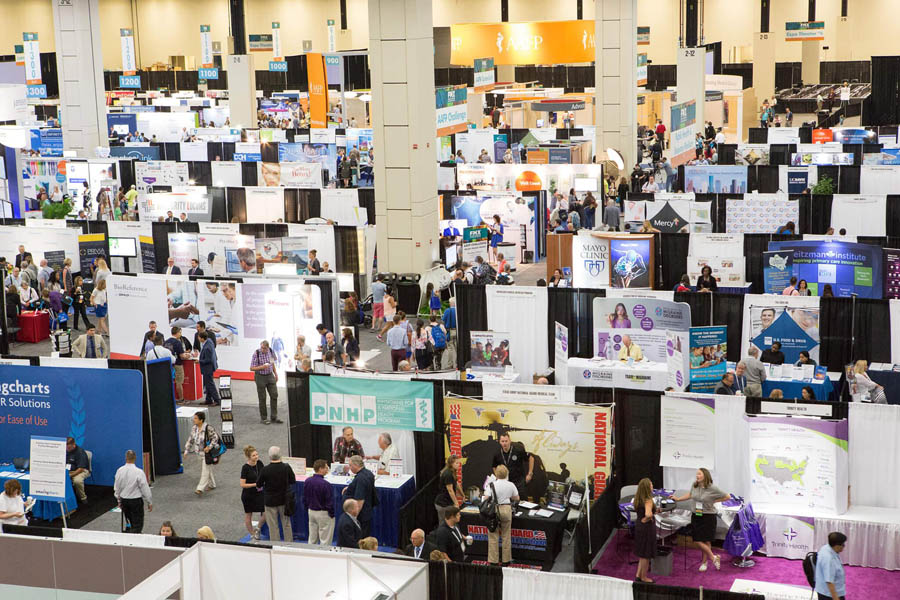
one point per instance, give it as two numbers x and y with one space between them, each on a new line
649 591
815 213
837 317
672 253
701 306
454 581
637 422
307 440
767 179
471 313
883 104
728 309
850 182
574 309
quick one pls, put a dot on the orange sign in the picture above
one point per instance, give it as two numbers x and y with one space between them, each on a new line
318 90
537 43
822 136
528 181
538 157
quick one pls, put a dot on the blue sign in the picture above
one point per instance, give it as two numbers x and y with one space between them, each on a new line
791 329
854 135
208 73
798 181
778 268
135 152
848 268
709 345
48 141
121 124
106 419
631 263
36 91
291 152
130 81
278 65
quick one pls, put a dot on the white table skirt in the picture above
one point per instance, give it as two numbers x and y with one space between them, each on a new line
601 373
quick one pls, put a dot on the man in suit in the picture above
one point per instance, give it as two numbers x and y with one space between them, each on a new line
170 218
195 268
150 336
419 548
349 530
20 257
90 345
740 379
208 365
449 538
362 489
201 327
172 269
725 385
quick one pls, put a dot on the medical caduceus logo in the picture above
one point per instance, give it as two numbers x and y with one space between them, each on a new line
500 41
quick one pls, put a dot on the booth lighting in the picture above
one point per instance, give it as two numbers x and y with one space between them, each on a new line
614 156
190 182
350 94
365 97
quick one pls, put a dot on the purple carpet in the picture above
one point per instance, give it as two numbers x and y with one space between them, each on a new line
861 582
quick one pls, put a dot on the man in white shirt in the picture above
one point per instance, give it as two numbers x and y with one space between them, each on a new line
507 493
388 452
159 351
131 489
720 137
44 274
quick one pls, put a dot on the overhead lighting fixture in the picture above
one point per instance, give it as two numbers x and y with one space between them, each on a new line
365 97
350 94
614 156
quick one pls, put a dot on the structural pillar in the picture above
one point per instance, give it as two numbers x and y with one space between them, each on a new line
763 68
809 67
401 61
242 90
79 65
615 78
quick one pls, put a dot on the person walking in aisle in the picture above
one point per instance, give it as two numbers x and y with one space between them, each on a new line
275 480
252 491
79 303
265 375
204 442
131 489
208 364
397 341
378 291
830 578
319 499
506 495
423 344
98 300
703 495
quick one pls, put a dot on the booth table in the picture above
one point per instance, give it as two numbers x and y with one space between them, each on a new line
643 375
34 326
534 539
792 387
393 492
43 509
193 380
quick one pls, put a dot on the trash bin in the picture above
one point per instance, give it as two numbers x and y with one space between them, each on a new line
662 564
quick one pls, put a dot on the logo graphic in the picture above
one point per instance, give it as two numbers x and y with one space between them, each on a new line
778 262
676 455
500 41
587 373
789 533
594 267
584 39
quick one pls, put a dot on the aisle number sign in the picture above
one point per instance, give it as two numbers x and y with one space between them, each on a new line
537 43
128 60
332 36
277 63
19 49
36 88
206 54
804 31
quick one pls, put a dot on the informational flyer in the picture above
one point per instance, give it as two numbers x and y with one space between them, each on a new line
48 468
687 431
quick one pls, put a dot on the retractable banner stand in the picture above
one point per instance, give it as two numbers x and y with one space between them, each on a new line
318 90
565 440
91 246
403 405
687 431
65 402
792 321
644 320
709 347
561 353
760 213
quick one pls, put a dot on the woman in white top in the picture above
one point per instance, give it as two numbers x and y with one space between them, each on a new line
506 495
390 309
98 300
102 271
12 505
863 384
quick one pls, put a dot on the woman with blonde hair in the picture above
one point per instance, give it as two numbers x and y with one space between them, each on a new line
703 496
102 271
644 529
98 301
251 493
864 386
206 534
368 543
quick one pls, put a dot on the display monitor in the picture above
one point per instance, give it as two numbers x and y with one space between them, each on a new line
124 247
586 184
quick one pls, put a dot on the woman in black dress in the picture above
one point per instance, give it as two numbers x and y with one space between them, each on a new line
251 494
706 282
644 529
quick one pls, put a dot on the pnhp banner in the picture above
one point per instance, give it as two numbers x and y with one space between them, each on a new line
386 404
451 111
535 43
566 440
318 90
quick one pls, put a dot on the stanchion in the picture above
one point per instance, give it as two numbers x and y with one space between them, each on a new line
225 411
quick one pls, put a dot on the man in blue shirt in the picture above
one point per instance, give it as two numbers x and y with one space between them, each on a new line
378 290
362 489
397 340
450 315
830 584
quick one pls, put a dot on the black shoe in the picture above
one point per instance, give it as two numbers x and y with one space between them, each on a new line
277 420
264 421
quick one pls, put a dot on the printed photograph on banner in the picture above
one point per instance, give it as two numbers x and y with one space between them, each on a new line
279 313
631 263
752 154
708 352
643 320
728 272
715 179
489 351
295 250
847 267
268 250
183 249
796 329
568 442
212 250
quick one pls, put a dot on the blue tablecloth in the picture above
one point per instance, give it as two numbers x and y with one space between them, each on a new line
792 389
385 520
44 509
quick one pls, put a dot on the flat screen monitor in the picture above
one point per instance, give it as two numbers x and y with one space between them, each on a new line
585 184
125 247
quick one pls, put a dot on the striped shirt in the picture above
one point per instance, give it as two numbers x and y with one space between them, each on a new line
260 358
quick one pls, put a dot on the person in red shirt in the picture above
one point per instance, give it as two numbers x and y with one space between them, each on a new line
661 132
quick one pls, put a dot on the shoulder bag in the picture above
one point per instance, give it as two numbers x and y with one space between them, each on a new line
290 501
488 510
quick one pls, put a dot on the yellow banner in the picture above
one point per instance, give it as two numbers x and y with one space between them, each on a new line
318 90
536 43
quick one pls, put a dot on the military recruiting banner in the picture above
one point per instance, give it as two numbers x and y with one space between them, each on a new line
386 404
566 440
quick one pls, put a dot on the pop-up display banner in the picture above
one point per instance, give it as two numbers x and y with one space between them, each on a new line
791 320
849 268
612 260
105 418
644 320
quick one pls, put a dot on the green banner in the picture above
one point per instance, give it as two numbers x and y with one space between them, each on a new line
359 402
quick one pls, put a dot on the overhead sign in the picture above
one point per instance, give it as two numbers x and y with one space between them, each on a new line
643 36
484 75
332 36
32 51
386 404
535 43
557 105
260 42
451 109
804 31
318 90
129 66
206 53
642 69
277 64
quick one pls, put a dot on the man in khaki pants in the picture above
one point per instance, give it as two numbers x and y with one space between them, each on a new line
507 493
319 498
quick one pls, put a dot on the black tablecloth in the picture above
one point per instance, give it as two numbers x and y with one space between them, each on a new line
534 539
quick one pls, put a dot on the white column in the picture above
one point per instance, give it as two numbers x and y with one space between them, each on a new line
401 60
843 48
615 77
763 69
79 63
691 81
242 90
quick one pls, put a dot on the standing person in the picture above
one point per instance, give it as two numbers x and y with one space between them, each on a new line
755 372
434 300
803 288
303 349
830 578
319 499
388 453
79 468
791 289
201 327
349 527
390 310
449 538
644 529
496 237
449 320
209 362
79 304
98 300
378 291
449 488
314 266
362 489
423 344
439 338
131 489
204 442
660 132
265 374
90 345
66 277
149 338
671 173
12 504
176 345
517 460
788 117
252 491
704 495
350 344
275 480
102 271
397 342
611 215
21 256
506 494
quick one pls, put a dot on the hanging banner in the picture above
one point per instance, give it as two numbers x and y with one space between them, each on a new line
332 35
206 53
708 348
535 43
642 69
452 116
804 31
36 88
129 66
565 440
259 42
683 118
277 55
484 75
687 431
643 36
318 90
789 537
19 49
304 175
386 404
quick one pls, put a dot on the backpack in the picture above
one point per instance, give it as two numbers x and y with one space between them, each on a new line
809 568
439 337
488 510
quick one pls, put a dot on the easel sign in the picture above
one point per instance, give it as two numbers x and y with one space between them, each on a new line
48 470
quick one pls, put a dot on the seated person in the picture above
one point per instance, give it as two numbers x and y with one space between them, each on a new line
630 349
773 355
725 384
77 464
346 446
804 359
